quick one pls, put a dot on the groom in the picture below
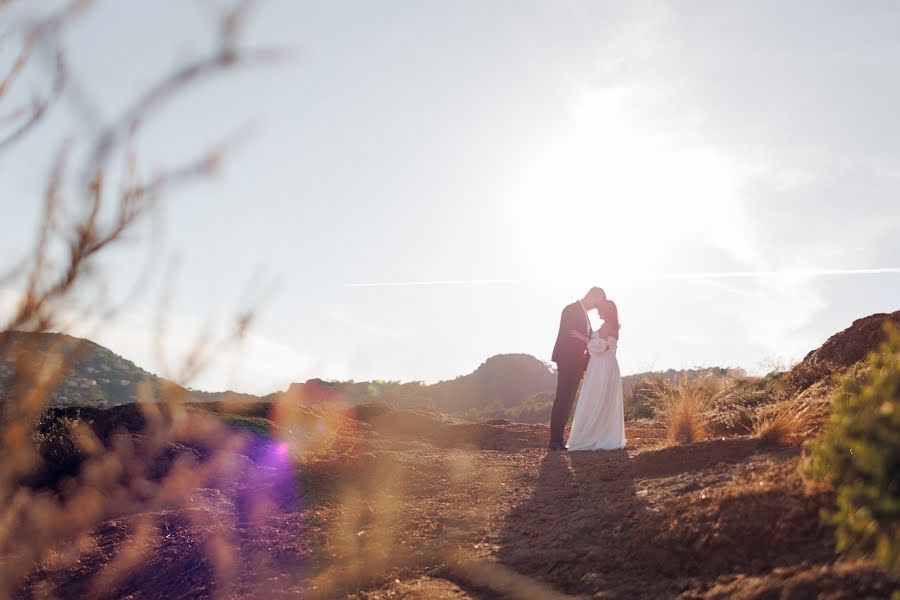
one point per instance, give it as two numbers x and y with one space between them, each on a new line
571 358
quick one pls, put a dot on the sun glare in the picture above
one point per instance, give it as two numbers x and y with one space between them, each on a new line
615 184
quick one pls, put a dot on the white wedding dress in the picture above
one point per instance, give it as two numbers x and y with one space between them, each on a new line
599 422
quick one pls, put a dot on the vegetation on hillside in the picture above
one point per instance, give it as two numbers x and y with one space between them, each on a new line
95 376
514 387
644 395
500 382
859 453
100 190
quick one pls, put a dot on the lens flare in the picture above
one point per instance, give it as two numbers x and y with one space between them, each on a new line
309 418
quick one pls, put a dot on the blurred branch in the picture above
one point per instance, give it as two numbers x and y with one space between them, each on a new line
87 236
164 91
84 215
36 38
227 56
32 114
18 65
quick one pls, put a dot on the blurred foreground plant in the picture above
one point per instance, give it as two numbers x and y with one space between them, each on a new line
859 454
97 194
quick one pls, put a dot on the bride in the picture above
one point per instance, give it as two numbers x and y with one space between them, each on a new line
599 422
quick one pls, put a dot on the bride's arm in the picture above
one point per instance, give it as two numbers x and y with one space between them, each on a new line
579 336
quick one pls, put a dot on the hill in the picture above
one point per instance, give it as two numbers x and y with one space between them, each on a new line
515 387
95 376
504 380
91 374
501 381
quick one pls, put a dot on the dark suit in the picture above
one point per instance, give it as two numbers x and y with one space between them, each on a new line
571 358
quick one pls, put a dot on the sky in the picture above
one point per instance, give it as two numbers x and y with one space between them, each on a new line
426 184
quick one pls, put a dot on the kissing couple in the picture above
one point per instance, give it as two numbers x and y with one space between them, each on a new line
599 422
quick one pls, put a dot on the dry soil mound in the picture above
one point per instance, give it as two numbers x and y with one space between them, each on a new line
840 351
852 344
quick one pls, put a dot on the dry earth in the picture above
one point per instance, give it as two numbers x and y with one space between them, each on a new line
412 504
424 516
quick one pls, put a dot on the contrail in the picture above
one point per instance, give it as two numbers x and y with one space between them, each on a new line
767 274
439 282
648 276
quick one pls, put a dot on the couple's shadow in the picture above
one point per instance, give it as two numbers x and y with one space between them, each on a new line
576 531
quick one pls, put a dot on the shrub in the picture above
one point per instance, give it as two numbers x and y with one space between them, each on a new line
685 425
788 425
859 454
682 405
743 393
534 410
803 375
255 425
642 400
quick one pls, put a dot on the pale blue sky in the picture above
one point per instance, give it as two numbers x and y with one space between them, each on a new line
550 145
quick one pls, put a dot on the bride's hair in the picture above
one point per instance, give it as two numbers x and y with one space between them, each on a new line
609 312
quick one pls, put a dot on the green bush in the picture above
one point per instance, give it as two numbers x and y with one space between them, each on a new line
642 399
536 409
255 425
859 453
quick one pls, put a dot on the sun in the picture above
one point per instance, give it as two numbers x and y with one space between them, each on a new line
614 187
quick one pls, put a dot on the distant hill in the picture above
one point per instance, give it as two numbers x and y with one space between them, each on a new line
517 387
501 381
504 380
94 375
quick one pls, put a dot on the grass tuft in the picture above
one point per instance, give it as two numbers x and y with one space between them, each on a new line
682 405
788 425
686 425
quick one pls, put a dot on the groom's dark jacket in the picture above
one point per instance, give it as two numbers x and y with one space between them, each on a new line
570 351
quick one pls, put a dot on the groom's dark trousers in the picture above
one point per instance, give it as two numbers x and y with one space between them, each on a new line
570 356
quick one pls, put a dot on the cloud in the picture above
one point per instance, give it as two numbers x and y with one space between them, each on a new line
345 318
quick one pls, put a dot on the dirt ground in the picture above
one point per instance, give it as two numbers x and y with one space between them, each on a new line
369 502
432 515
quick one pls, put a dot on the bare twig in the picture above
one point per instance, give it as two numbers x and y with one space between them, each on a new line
34 113
37 39
85 215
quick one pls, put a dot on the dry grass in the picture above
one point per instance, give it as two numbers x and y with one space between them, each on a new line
803 375
686 425
786 425
683 404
